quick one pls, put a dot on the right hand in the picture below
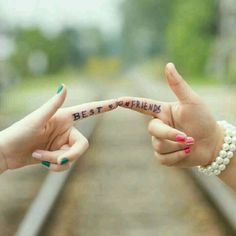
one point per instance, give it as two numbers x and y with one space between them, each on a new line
184 133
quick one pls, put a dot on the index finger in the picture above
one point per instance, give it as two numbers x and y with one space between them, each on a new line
143 105
85 110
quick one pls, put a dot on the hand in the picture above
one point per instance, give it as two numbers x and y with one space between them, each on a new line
184 133
47 135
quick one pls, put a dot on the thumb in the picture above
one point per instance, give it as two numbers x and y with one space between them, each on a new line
47 110
179 86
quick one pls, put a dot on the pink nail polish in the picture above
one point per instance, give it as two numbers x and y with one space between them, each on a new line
180 138
189 140
187 150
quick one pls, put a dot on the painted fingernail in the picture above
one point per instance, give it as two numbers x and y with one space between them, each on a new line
180 138
189 140
59 89
64 161
36 155
46 163
187 150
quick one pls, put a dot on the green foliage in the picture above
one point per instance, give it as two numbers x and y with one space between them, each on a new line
190 34
59 50
182 31
68 48
144 26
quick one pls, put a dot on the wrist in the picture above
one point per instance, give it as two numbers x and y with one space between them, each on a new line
219 135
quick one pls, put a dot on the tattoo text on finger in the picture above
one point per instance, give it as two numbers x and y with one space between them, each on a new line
94 111
141 105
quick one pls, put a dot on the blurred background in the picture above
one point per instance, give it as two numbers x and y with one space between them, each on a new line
110 48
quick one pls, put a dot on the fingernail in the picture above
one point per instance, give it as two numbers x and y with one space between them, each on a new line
46 163
59 89
187 150
36 155
180 138
189 140
64 161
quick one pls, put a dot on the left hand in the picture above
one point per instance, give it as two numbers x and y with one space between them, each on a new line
47 135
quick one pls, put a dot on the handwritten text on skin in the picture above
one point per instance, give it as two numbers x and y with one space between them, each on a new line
141 105
93 111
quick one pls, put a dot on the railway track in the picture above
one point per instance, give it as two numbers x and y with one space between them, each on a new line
118 188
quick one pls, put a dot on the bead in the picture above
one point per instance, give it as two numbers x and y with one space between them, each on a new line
214 165
219 160
226 161
230 154
216 172
232 147
234 140
222 167
228 140
225 146
209 169
222 153
226 152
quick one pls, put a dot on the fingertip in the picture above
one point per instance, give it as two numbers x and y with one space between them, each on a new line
181 137
170 66
61 88
37 155
187 150
190 141
60 168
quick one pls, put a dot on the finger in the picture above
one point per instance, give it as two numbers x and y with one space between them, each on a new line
162 131
56 167
179 86
143 105
47 110
166 146
90 109
173 158
50 156
78 145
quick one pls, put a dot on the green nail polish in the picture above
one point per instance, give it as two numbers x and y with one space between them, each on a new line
46 163
64 161
59 89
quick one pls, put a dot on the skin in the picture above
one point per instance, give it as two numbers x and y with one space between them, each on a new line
48 134
189 118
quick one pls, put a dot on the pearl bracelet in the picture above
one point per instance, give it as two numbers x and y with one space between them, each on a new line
225 154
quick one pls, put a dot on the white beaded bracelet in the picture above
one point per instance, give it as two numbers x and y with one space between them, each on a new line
226 152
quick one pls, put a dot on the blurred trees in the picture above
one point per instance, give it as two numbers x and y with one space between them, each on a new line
144 27
191 33
178 30
37 52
